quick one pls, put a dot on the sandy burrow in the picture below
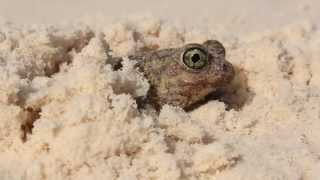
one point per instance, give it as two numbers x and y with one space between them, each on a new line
65 114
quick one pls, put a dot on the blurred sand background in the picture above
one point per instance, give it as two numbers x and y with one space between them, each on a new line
66 114
245 15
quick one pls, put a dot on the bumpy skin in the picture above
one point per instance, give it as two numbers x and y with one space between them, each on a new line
174 83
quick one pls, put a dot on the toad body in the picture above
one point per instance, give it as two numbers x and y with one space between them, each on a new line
185 75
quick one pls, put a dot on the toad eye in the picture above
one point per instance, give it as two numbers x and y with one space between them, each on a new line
195 58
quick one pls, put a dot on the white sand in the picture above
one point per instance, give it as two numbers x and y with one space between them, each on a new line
89 126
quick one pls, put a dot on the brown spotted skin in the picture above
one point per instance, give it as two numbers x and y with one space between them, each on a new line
175 84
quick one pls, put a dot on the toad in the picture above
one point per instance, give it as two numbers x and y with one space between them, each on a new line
184 75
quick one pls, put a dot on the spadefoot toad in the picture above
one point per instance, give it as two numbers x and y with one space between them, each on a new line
185 75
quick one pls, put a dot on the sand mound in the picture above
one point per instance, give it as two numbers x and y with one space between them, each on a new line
65 114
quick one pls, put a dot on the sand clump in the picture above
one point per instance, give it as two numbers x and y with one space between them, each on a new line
65 114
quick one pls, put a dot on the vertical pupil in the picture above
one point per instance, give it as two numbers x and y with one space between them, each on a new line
224 67
195 58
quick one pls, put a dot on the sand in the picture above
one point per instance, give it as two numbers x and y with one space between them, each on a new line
65 114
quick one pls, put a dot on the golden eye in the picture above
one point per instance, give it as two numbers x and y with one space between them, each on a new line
195 58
